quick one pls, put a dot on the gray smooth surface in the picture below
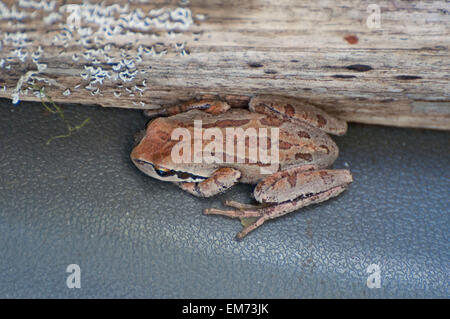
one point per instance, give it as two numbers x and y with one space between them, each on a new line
81 201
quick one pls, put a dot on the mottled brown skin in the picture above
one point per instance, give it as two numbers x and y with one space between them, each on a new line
298 111
300 178
299 144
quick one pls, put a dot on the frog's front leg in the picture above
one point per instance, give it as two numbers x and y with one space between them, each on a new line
221 180
287 191
298 111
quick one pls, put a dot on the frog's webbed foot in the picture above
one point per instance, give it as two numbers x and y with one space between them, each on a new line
248 214
209 106
285 192
221 180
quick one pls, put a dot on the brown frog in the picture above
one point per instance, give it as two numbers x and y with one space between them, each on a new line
297 178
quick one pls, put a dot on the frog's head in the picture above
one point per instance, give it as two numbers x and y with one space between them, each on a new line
153 155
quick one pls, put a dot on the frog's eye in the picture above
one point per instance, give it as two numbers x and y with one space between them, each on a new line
163 172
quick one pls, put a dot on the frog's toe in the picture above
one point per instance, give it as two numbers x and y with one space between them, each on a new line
241 206
232 213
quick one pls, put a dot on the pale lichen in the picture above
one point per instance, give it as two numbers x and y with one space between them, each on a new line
92 31
38 5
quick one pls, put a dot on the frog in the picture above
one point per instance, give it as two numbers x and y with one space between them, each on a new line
300 176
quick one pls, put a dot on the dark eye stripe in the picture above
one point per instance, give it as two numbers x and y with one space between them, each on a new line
163 172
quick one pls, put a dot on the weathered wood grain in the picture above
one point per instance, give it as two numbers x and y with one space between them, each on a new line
144 54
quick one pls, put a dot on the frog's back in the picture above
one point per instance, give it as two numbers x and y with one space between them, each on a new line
299 144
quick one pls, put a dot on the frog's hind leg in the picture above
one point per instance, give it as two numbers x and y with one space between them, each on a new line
241 206
221 180
298 111
287 191
243 210
273 211
209 106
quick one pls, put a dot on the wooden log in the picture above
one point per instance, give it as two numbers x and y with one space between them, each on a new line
143 54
